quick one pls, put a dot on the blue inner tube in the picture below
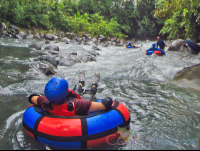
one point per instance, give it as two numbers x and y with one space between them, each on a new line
129 46
193 45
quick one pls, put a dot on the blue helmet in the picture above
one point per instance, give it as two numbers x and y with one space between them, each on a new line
154 45
56 90
129 43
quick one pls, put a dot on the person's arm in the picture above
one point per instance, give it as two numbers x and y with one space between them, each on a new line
96 106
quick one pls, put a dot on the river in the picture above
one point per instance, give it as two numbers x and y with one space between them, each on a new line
164 114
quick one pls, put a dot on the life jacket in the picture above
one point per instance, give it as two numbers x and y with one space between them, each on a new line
66 109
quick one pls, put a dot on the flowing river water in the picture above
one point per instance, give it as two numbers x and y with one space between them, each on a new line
164 114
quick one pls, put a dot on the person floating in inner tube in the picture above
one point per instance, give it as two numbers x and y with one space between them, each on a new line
59 100
161 44
129 45
153 48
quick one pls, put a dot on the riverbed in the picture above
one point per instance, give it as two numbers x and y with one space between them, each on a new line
164 114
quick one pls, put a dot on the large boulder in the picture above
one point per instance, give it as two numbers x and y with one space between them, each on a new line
189 73
176 45
22 34
49 36
36 46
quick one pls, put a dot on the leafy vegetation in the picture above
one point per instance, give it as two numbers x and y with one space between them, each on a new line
182 18
111 18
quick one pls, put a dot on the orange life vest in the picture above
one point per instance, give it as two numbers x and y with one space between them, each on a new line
62 110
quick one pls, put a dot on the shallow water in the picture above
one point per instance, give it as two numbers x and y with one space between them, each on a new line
164 114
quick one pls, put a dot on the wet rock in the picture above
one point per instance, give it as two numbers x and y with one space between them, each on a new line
53 52
52 48
29 37
176 45
14 27
22 34
105 45
92 52
18 37
74 53
61 35
46 69
49 36
96 48
70 35
36 46
65 40
94 40
189 73
2 26
37 36
47 42
61 63
51 59
114 39
55 37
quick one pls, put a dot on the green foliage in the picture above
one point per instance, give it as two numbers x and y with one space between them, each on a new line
182 18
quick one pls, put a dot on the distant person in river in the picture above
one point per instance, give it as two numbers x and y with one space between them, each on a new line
59 100
130 45
160 44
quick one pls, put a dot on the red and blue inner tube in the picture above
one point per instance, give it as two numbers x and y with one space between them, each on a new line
77 132
158 52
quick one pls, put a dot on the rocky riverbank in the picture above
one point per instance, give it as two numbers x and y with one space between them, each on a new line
15 32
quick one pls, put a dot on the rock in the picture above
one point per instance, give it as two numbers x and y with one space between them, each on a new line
74 53
55 37
37 36
69 35
93 52
105 45
2 26
96 48
176 45
118 41
29 37
64 64
48 70
189 73
61 35
41 35
22 34
53 52
65 40
14 27
36 46
94 40
49 36
52 48
114 39
47 42
51 59
18 37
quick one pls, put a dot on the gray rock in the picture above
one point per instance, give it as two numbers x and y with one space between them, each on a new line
22 34
189 73
29 37
65 40
52 48
14 27
49 36
46 69
93 52
36 46
176 45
